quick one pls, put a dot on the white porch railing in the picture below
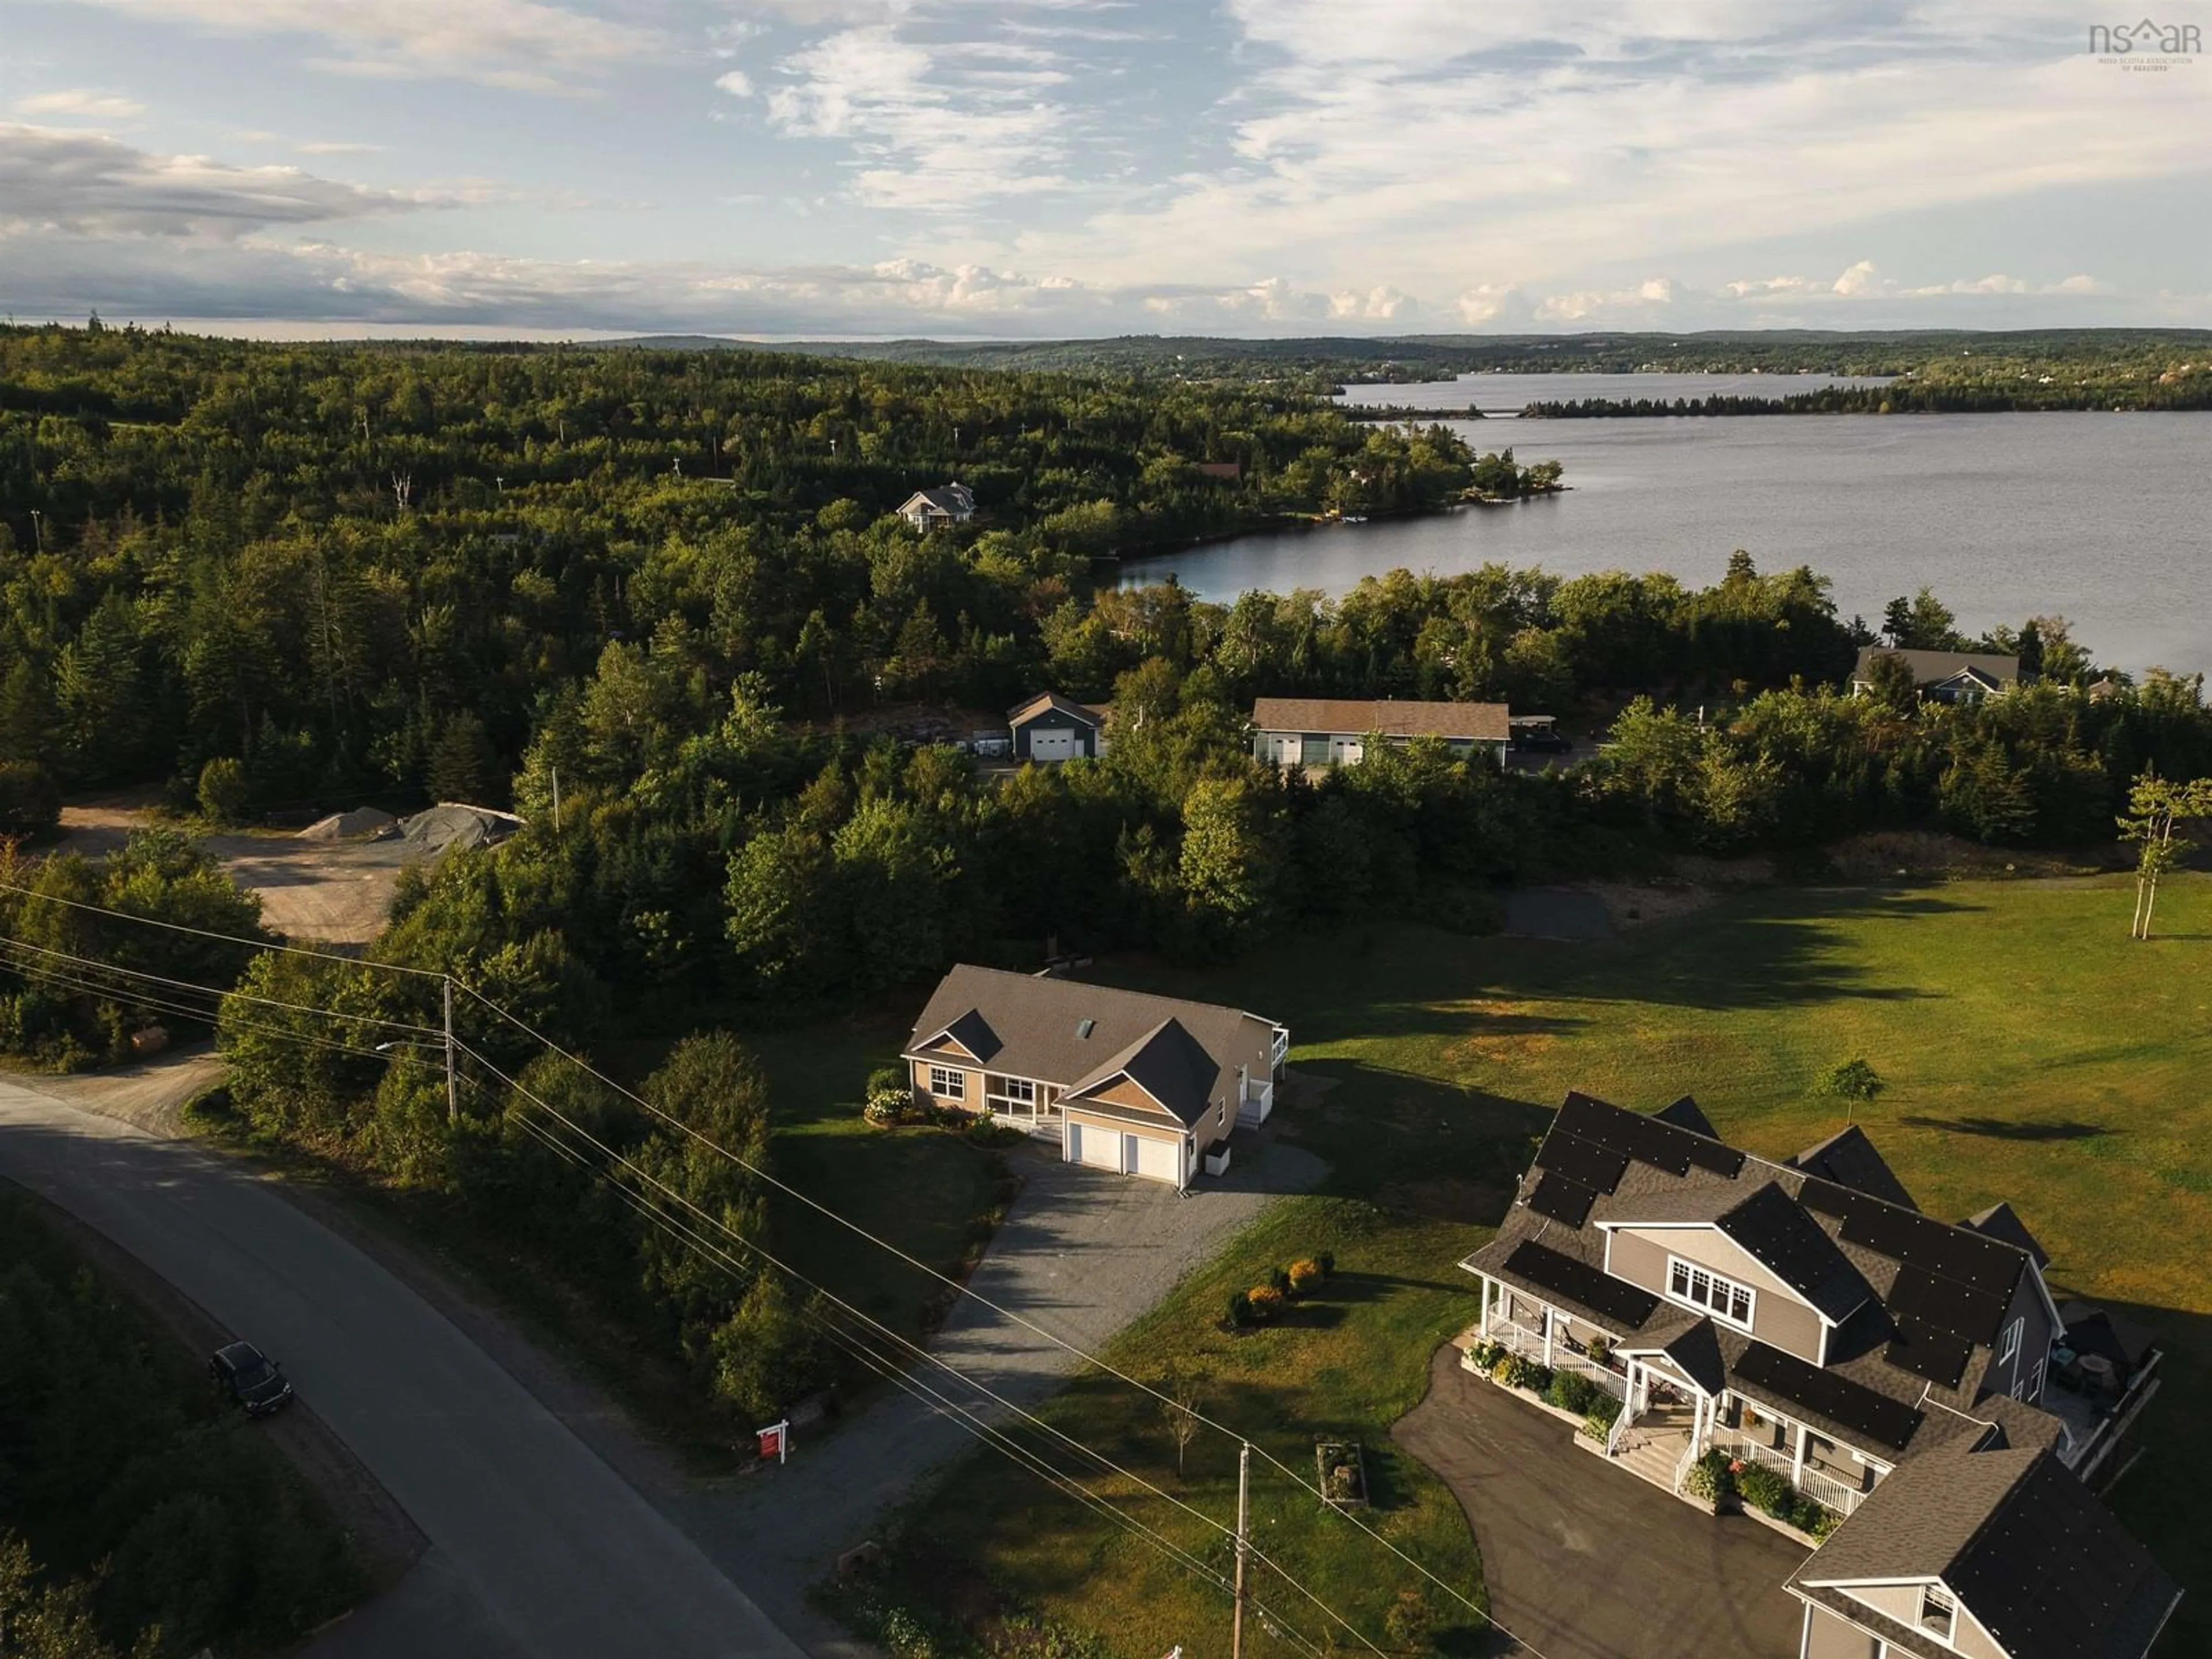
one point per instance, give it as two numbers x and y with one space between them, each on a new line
1691 1453
1529 1345
1824 1489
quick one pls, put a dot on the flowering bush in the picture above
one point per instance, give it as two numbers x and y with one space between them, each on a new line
1266 1301
1305 1277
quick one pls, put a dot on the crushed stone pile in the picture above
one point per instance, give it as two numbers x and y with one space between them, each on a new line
344 826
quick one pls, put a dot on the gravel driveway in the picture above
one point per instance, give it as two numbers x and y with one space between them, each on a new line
1587 1562
1083 1254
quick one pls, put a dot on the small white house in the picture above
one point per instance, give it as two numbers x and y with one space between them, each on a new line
934 509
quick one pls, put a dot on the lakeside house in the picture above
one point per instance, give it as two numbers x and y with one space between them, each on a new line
1943 675
934 509
1911 1377
1143 1085
1334 730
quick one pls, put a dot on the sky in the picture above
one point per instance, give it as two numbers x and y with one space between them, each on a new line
1055 168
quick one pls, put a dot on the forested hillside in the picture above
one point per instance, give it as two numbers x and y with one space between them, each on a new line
277 577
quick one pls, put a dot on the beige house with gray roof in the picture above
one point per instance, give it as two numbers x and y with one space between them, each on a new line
1143 1085
1335 730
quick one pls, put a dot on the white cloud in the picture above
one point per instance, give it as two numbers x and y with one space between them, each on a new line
86 183
82 103
937 127
736 83
1584 304
524 45
1861 278
336 147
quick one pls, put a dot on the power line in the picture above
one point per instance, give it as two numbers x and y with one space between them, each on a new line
944 1279
226 938
763 1176
975 1426
242 996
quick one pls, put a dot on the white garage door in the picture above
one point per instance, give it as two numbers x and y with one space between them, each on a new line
1099 1147
1157 1159
1052 745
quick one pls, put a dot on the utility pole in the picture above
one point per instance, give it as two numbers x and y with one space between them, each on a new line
38 533
1243 1496
453 1078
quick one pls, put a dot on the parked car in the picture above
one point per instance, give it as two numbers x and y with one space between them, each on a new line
1532 737
251 1377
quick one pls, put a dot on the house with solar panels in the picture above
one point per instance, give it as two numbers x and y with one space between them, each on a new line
1912 1377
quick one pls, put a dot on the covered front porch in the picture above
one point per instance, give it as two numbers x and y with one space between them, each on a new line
1668 1418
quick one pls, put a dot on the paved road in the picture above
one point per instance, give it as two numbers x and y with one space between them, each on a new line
538 1547
1588 1562
1082 1254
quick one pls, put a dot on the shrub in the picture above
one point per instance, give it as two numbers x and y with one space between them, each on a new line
1710 1479
1305 1277
1410 1621
1240 1308
1485 1356
1822 1522
224 795
1327 1260
1770 1489
1518 1373
1603 1405
1571 1392
1600 1350
1266 1302
1280 1281
1597 1426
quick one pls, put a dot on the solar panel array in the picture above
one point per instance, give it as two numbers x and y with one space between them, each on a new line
1950 1279
1624 1304
1873 1418
1928 1352
1783 1236
2053 1573
1563 1200
1645 1139
1595 1166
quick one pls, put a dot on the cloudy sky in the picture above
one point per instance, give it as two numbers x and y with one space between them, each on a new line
1053 167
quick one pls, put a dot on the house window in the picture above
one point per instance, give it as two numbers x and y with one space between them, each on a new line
1938 1612
2008 1343
1726 1300
1019 1090
948 1085
2035 1381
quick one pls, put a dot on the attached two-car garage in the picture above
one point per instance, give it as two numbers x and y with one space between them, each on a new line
1126 1151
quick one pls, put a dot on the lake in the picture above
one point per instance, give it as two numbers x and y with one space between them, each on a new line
2105 519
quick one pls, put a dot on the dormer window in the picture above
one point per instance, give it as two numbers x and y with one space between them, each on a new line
1700 1287
1939 1613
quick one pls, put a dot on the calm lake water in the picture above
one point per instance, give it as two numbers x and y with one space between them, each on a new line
2105 519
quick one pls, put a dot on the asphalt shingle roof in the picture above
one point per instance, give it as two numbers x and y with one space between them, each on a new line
1066 1033
1477 722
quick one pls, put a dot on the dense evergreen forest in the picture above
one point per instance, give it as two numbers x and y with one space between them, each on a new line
2088 368
283 577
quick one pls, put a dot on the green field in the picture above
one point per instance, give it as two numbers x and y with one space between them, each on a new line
2032 1052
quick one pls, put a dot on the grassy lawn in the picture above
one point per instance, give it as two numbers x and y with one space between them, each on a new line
926 1191
2032 1052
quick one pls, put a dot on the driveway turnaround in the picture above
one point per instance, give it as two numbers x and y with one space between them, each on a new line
1082 1253
1585 1561
537 1546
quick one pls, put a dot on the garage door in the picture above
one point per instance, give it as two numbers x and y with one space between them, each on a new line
1157 1159
1052 745
1091 1145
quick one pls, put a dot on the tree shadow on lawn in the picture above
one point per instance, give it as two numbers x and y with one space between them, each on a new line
1999 1128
